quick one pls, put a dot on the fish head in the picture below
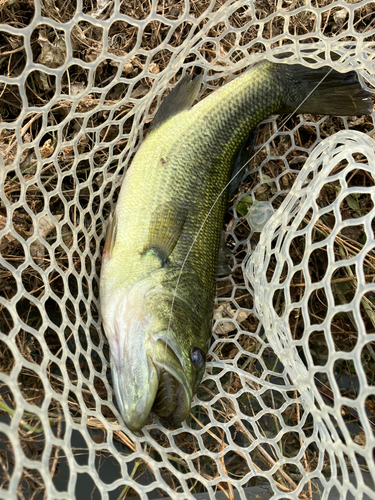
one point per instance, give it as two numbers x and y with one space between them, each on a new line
158 354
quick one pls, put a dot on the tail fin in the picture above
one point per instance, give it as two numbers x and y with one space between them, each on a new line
327 92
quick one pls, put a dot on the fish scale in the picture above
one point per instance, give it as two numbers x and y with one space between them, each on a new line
160 257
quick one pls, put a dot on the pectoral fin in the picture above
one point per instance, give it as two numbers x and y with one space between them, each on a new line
110 237
165 229
241 159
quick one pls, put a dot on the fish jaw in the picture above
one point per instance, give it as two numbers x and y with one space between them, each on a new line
135 382
134 378
140 375
147 363
168 359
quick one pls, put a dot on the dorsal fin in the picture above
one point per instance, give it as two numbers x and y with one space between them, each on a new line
181 97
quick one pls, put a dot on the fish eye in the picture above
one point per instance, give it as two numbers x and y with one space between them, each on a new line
197 357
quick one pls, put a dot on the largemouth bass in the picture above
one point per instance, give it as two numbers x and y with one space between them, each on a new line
160 257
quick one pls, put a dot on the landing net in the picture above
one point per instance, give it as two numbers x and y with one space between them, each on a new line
287 405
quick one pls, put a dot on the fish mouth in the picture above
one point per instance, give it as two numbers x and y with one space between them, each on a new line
155 382
174 395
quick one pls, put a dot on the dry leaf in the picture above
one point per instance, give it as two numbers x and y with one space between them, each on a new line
140 91
45 225
76 88
46 150
360 439
225 311
127 68
53 55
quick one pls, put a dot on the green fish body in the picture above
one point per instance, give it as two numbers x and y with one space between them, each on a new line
160 257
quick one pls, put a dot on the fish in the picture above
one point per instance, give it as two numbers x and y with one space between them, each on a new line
159 262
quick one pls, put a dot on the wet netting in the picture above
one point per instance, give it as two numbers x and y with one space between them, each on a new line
286 409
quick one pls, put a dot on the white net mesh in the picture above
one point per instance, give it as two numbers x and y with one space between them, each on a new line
336 229
287 402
